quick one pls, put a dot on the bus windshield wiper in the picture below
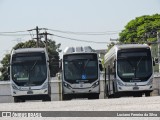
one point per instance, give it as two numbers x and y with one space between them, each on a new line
84 68
29 82
86 64
33 65
137 65
139 61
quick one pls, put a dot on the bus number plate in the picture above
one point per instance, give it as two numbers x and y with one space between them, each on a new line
135 88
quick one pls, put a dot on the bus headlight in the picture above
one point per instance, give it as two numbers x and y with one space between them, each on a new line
95 84
120 83
150 82
45 86
15 87
67 85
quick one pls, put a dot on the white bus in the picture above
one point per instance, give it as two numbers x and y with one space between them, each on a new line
80 73
129 69
30 75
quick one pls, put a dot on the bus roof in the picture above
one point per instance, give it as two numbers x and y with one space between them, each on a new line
115 48
26 50
128 46
73 50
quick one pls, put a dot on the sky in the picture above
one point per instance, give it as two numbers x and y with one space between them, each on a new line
84 16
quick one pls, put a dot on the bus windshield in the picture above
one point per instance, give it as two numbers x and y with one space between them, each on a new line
29 69
134 65
80 68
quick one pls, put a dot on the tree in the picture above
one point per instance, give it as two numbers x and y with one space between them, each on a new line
4 68
53 53
141 29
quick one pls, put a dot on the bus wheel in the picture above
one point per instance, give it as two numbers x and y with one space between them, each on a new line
94 96
110 96
46 99
147 94
22 100
117 95
137 95
66 97
16 100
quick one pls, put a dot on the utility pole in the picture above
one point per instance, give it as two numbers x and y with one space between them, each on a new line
46 38
37 34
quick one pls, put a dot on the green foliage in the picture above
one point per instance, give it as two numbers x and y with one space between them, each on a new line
4 68
141 29
53 53
28 44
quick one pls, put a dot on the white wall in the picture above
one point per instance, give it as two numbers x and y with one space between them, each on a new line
56 90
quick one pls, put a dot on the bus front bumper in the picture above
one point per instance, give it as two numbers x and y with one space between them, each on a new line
84 90
81 88
29 92
135 88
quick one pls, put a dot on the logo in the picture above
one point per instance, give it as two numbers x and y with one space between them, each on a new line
6 114
83 77
81 85
21 114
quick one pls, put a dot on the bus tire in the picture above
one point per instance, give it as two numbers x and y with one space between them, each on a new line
66 97
22 100
111 96
94 96
137 95
17 99
117 95
147 94
46 99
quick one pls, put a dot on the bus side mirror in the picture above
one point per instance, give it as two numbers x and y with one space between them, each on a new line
100 67
154 63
